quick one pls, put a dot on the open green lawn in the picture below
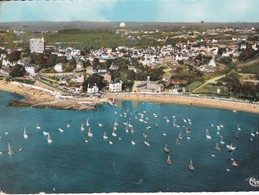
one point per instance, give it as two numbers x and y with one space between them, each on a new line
253 69
212 89
194 85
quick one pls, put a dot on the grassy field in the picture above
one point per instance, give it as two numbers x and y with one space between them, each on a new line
253 69
212 89
194 85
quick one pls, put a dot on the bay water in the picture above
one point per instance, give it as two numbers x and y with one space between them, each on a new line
77 163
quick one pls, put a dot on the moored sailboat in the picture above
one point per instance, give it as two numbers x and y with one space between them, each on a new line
221 140
25 135
105 135
49 139
82 127
90 134
208 134
169 161
217 146
10 152
230 147
191 167
180 135
166 149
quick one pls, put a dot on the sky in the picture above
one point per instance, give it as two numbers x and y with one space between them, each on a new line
131 10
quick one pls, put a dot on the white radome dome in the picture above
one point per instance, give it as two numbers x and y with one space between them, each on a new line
122 25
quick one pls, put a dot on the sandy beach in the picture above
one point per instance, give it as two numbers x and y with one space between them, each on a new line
42 99
189 100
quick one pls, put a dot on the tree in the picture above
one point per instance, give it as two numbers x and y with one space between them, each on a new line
17 71
51 61
257 75
14 56
249 88
231 78
94 78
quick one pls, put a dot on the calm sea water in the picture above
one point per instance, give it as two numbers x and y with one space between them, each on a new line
70 165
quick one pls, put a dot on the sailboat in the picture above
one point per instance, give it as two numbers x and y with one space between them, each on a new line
49 139
166 149
133 143
60 130
180 135
87 123
230 147
252 133
25 135
114 134
169 161
37 126
188 130
234 163
44 133
208 134
237 136
177 141
221 140
191 167
10 152
100 124
89 132
82 127
217 146
68 124
146 143
105 135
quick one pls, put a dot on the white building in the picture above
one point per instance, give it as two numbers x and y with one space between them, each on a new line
92 88
115 86
31 70
58 67
37 45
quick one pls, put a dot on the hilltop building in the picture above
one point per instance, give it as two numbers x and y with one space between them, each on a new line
37 45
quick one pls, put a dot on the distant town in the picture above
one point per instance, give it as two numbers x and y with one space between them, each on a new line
215 62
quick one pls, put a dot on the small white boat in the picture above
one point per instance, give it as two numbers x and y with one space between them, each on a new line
221 140
105 135
144 135
89 132
126 130
114 134
177 141
146 143
44 133
37 126
100 124
60 130
87 123
252 133
132 130
253 182
231 147
169 161
208 134
191 167
148 127
68 124
110 142
166 149
217 146
25 135
180 135
49 139
82 127
86 141
133 143
10 152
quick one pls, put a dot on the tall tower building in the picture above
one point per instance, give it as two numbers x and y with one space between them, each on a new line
37 45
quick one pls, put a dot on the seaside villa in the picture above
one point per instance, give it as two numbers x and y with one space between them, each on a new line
147 86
